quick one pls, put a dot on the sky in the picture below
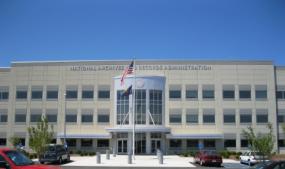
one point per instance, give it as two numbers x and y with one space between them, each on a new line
40 30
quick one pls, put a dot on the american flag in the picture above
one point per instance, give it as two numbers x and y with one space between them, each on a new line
127 71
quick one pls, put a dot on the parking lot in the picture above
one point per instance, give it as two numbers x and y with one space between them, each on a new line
173 161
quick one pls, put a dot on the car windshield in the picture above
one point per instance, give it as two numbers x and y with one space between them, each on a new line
211 153
262 165
19 158
51 148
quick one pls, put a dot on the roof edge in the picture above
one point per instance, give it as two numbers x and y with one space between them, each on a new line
142 61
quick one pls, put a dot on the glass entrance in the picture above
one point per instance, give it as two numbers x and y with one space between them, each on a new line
155 144
140 143
122 146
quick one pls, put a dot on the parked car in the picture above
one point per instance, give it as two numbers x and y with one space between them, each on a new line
270 165
250 157
13 159
55 153
208 157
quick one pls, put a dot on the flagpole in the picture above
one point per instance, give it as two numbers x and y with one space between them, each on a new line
134 109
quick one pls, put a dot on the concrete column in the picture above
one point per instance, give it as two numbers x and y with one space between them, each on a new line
130 141
78 144
114 143
219 144
148 143
184 145
164 144
94 144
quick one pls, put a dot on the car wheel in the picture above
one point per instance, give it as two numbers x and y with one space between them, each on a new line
42 162
60 160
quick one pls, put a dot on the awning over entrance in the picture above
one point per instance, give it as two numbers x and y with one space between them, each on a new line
139 129
195 136
99 136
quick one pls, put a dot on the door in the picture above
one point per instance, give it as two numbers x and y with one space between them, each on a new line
140 143
155 144
122 146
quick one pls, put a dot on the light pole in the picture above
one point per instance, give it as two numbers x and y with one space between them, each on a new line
64 127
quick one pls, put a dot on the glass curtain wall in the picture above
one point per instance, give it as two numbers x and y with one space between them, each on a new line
122 108
155 106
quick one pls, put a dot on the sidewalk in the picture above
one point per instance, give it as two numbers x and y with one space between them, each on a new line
140 161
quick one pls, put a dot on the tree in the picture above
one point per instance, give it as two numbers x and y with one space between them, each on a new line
262 143
15 141
40 136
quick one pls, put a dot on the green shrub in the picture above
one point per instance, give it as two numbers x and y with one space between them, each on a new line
78 152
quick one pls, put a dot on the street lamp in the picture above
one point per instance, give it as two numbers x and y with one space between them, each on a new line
64 127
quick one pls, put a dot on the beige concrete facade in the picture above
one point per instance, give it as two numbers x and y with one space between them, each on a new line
216 76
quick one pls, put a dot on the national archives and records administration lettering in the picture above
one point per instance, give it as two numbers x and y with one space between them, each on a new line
140 67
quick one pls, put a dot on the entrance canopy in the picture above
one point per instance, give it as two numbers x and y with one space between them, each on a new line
139 129
195 136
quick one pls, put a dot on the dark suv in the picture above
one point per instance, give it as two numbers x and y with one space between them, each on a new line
55 153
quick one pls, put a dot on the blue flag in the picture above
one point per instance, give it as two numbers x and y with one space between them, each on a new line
128 91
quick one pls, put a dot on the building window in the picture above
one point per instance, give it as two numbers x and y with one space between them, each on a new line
52 118
280 94
175 118
103 94
245 92
229 116
209 143
4 93
20 118
104 143
281 118
175 143
208 94
37 93
245 118
208 118
87 94
228 94
52 94
86 143
122 108
281 143
192 143
71 94
192 94
261 94
3 116
71 142
87 118
262 118
21 94
140 106
244 143
155 106
51 115
3 141
35 118
71 117
230 143
175 94
103 118
192 118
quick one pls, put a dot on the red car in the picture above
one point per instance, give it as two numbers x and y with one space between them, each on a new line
207 157
13 159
